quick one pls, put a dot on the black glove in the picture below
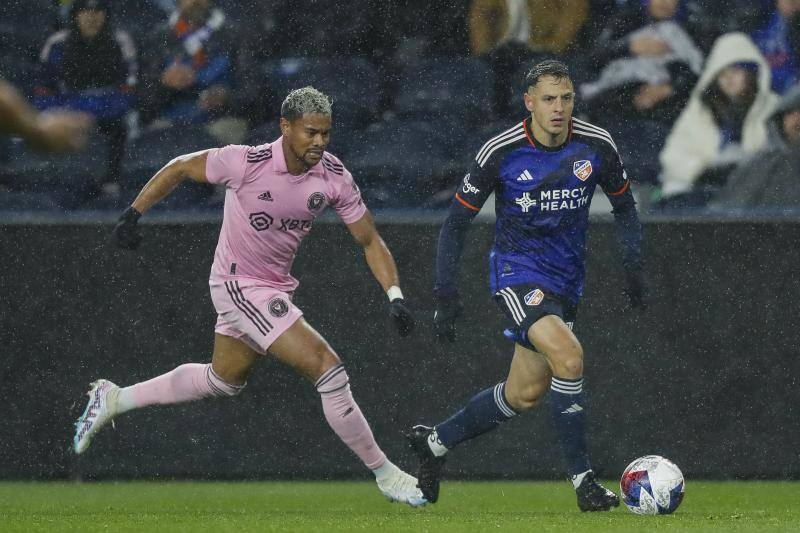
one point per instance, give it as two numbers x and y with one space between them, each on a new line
444 319
637 289
126 232
402 317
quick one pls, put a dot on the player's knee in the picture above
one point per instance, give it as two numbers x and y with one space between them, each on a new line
567 360
526 397
221 387
324 358
570 368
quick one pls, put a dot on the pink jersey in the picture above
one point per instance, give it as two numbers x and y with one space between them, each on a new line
268 211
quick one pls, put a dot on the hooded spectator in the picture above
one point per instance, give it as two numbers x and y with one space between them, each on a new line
724 120
770 178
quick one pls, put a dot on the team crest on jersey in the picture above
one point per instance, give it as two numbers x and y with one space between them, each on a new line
316 202
582 169
534 297
278 307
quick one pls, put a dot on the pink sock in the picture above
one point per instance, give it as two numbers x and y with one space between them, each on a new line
186 383
346 419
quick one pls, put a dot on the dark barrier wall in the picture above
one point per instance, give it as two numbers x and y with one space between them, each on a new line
707 376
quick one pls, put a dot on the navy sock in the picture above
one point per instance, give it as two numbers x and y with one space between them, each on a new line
484 412
568 409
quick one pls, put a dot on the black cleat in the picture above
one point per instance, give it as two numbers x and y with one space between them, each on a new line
430 466
592 496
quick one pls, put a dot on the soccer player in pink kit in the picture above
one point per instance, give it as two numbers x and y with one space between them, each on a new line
274 192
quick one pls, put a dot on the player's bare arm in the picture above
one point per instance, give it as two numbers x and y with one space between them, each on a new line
188 166
379 258
53 131
383 267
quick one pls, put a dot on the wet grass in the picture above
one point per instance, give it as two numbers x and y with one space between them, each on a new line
358 506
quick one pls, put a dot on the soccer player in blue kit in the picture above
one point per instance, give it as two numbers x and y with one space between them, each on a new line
543 172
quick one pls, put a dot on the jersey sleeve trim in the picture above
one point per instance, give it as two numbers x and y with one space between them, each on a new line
622 190
507 137
581 127
466 204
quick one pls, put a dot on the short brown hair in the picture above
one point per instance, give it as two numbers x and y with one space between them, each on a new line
549 67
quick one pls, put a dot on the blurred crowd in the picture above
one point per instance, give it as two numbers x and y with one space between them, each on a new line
701 96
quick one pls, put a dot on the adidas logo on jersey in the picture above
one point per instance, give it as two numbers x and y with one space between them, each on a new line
266 196
525 176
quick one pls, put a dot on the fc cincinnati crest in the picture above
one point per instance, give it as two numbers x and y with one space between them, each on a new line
278 307
582 169
315 202
534 297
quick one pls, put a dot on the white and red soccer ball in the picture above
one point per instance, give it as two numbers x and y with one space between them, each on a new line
652 485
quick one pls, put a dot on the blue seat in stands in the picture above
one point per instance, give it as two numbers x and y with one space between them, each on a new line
453 87
263 133
68 179
155 148
409 157
27 201
23 72
20 41
352 82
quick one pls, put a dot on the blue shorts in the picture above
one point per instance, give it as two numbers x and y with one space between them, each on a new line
525 304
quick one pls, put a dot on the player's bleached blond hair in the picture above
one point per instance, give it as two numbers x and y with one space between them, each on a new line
305 100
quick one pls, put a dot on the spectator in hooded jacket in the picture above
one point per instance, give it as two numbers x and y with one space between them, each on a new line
771 177
724 121
91 67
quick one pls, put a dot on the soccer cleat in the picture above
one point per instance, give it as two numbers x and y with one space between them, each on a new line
99 411
592 496
401 487
430 466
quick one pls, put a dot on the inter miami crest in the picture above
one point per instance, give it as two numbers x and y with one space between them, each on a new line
316 202
278 307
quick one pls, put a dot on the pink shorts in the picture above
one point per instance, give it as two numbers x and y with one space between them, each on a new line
253 313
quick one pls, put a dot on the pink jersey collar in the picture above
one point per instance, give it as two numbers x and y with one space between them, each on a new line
279 163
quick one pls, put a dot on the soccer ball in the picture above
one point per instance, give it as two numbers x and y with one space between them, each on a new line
652 485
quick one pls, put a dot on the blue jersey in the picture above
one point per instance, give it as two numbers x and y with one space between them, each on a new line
542 198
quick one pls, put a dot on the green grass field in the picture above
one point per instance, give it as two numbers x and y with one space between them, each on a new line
347 506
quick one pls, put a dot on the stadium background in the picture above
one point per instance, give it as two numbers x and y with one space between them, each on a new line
706 376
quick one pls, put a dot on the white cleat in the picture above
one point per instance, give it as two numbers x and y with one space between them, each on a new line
99 411
401 487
